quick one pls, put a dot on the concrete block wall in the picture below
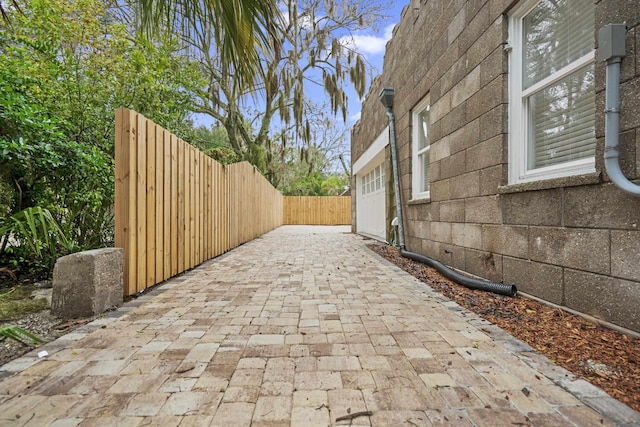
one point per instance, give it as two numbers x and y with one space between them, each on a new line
573 241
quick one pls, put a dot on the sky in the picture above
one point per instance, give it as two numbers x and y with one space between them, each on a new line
372 46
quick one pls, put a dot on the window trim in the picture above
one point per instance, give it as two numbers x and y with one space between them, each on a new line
416 166
518 148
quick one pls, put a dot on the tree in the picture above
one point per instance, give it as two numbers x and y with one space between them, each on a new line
313 169
64 69
311 50
288 161
80 65
241 27
214 142
241 30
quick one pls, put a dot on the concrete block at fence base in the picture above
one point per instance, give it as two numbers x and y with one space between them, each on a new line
87 283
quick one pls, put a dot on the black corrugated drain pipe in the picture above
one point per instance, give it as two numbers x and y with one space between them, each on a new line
386 97
461 279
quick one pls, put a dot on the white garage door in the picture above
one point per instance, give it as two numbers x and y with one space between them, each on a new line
370 202
370 189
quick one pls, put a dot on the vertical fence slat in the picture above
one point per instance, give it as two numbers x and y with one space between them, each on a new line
174 202
225 223
121 184
167 195
196 205
188 233
141 188
215 206
205 208
209 202
222 206
125 209
159 202
231 200
202 209
151 204
181 205
196 209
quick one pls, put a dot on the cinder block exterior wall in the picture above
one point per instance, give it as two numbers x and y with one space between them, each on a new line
572 241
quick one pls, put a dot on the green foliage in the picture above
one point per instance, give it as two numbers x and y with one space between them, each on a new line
18 334
73 179
66 66
315 184
38 235
240 29
10 275
22 262
78 63
64 69
310 185
312 50
214 142
7 197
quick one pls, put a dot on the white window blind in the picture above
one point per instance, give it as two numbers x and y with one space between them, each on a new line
552 110
556 33
561 118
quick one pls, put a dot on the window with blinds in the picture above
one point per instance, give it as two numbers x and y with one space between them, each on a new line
561 121
552 92
421 148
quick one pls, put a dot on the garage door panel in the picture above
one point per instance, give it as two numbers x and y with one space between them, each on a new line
371 200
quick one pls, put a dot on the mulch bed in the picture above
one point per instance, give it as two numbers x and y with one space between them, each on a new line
608 359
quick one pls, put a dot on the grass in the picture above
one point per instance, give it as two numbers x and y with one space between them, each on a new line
16 302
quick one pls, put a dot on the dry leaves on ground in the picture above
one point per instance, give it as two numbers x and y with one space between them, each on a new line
606 358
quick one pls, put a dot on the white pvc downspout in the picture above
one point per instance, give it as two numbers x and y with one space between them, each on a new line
611 46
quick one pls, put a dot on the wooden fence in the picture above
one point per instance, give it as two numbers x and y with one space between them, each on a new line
325 210
177 207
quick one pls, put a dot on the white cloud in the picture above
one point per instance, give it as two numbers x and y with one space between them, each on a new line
355 117
369 44
304 21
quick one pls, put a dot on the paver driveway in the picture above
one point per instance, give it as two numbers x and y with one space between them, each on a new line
299 327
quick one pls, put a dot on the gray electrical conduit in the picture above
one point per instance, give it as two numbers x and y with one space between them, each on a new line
469 282
611 42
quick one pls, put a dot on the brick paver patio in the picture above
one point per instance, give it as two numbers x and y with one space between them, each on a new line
300 327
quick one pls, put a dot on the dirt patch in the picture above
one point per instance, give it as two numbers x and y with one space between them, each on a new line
608 359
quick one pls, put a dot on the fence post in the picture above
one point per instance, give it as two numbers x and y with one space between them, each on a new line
125 186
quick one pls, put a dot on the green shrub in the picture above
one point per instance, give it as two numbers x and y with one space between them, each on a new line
7 198
38 239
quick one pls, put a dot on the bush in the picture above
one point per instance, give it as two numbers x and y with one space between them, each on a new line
7 198
38 240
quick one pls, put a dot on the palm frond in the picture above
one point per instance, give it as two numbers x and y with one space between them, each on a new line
242 29
37 227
